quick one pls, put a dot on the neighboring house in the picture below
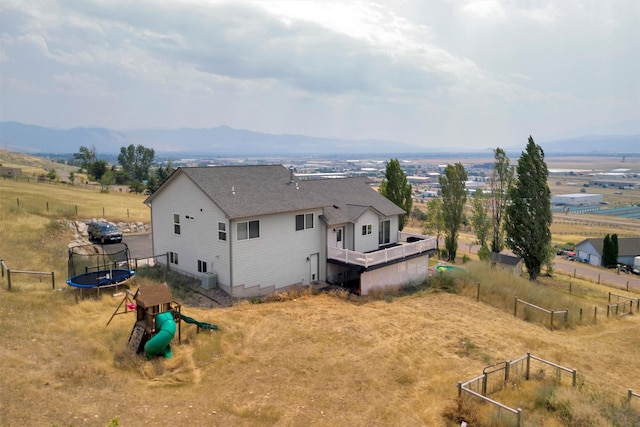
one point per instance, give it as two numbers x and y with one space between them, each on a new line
260 229
511 263
591 250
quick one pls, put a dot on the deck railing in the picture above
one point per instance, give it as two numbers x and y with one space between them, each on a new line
406 248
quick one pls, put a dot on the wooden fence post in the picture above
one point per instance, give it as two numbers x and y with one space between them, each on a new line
8 279
575 377
528 366
478 293
460 389
595 313
515 308
53 280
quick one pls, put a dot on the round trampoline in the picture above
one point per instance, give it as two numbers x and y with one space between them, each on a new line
95 266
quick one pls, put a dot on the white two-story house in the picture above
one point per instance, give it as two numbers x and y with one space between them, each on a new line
260 229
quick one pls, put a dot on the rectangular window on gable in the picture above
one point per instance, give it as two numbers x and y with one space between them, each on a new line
176 223
222 231
366 229
248 230
304 221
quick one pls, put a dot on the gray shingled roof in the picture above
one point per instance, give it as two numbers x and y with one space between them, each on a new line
627 246
246 191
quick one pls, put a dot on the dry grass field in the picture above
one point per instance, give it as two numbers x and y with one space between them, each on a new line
310 360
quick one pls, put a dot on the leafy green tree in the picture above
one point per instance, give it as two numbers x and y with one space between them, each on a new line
107 179
85 157
433 222
72 177
396 188
136 161
528 213
480 218
454 197
52 175
501 181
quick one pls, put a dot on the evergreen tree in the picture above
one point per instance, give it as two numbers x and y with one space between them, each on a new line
454 197
396 188
614 248
500 183
528 215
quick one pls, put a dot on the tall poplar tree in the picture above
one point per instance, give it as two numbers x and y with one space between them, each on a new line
396 188
434 222
500 183
528 214
454 197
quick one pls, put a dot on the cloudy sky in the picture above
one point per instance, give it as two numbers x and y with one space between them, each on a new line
454 73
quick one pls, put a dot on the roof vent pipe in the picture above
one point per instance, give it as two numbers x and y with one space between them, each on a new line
291 175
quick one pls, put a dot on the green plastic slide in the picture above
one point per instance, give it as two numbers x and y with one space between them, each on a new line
202 325
159 343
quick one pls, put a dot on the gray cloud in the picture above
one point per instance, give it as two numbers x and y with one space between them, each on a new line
411 71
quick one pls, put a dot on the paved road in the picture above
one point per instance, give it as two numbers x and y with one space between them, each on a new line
139 245
607 277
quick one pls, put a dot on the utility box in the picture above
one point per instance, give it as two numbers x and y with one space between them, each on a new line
209 280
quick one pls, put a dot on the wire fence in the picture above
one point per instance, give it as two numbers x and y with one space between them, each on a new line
495 377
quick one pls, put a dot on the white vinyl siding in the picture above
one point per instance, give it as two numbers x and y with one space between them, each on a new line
279 257
198 239
367 242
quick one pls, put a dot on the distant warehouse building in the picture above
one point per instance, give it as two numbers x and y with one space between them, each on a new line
577 199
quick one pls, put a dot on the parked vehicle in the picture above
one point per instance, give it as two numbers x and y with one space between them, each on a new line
104 232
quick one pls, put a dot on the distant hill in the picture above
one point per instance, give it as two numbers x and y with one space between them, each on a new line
226 141
591 145
221 140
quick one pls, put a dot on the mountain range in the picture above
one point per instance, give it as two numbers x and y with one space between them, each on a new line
226 141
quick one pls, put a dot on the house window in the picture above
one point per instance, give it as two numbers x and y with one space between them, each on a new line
304 221
248 230
339 235
202 267
366 229
173 258
384 234
222 231
176 223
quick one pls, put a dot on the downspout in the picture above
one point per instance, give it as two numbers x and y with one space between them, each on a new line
231 259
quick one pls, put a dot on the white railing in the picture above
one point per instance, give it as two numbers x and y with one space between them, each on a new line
404 250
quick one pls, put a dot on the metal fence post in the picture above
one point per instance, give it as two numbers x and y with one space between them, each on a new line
520 421
484 383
